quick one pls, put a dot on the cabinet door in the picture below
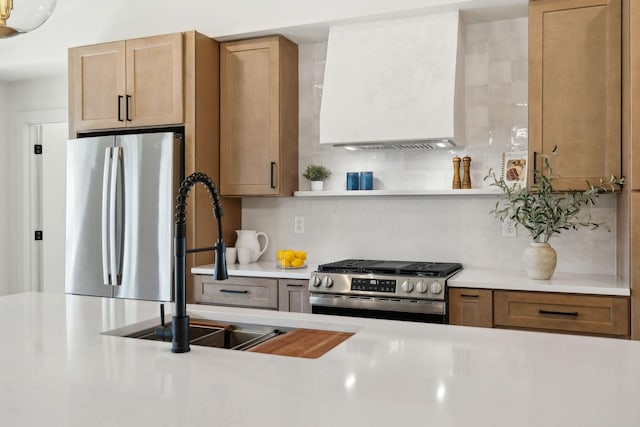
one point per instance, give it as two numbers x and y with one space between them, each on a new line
471 307
154 81
574 89
293 295
97 86
258 117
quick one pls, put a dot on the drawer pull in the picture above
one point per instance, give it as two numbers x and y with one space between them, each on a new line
469 296
291 285
559 313
233 291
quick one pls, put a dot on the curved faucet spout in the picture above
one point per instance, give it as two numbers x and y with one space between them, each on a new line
180 322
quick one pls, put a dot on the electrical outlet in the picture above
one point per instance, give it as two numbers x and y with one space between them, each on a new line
509 228
298 224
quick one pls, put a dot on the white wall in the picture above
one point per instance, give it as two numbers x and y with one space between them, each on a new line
27 96
5 162
436 228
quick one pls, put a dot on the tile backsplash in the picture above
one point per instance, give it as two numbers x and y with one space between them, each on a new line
496 115
435 228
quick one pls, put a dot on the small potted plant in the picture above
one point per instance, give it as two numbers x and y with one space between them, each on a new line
316 174
544 213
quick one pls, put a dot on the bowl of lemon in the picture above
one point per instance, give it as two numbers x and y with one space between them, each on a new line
290 258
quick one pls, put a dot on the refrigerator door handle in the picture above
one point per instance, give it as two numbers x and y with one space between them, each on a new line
113 254
105 217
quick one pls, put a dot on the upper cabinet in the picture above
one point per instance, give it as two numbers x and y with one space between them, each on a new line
574 89
130 83
259 117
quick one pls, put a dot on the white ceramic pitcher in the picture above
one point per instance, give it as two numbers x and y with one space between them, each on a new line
249 239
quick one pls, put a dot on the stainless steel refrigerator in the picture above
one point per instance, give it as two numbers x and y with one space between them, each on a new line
121 193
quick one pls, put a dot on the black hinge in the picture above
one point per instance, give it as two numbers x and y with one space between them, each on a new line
37 149
38 234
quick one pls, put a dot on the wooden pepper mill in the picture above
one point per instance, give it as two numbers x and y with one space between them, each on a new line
456 173
466 181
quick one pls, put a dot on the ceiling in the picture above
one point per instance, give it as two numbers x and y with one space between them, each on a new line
43 52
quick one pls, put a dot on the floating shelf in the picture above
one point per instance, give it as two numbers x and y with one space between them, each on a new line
369 193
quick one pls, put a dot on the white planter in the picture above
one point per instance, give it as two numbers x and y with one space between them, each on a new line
317 185
539 261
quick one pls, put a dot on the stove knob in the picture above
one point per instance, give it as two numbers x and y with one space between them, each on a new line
435 288
407 286
421 286
315 281
327 282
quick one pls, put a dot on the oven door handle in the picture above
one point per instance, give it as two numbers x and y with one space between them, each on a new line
382 304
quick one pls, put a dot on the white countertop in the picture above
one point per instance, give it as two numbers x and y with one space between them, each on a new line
57 369
262 269
597 284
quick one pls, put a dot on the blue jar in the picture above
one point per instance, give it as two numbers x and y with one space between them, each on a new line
366 180
353 181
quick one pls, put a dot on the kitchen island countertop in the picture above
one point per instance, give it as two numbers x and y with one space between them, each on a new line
58 369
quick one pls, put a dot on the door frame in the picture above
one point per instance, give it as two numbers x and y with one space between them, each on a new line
26 133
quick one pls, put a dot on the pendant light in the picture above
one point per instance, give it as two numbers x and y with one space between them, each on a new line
21 16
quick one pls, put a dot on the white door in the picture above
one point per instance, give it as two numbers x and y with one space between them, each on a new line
53 201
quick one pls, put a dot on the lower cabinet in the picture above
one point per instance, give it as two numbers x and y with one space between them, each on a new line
253 292
584 314
293 295
471 307
599 315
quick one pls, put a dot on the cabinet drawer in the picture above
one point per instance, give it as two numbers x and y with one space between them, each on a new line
599 315
237 291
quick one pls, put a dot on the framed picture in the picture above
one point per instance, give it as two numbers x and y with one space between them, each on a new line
514 167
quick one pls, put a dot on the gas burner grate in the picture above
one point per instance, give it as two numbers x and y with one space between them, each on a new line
405 268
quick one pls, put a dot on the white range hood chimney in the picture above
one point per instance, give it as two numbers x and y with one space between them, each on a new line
395 84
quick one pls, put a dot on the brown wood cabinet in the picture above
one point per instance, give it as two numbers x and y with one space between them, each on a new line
628 204
585 314
130 83
237 291
293 295
94 68
259 117
471 307
574 89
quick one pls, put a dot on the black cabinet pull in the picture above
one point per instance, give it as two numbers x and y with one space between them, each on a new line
120 108
273 166
127 109
559 313
291 285
535 166
469 296
233 291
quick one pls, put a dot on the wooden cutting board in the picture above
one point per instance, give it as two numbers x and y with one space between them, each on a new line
307 343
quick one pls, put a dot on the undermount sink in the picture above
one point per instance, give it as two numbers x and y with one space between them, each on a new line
234 337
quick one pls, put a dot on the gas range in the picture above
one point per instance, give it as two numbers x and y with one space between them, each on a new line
402 290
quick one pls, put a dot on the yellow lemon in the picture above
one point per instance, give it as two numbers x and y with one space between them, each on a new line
297 262
302 255
289 254
282 262
280 254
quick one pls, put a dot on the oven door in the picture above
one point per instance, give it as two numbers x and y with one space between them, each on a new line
426 311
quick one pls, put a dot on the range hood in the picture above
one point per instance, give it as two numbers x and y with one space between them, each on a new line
394 84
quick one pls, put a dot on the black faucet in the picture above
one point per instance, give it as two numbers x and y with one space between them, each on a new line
180 322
